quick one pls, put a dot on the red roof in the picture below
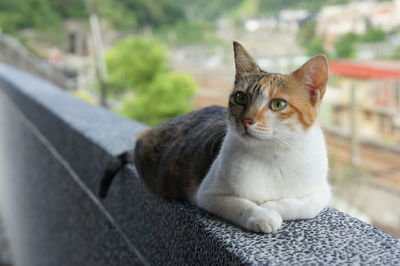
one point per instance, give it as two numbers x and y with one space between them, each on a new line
366 69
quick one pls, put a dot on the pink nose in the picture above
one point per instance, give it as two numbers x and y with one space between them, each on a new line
247 122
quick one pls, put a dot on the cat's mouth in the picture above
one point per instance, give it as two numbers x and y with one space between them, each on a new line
251 135
255 135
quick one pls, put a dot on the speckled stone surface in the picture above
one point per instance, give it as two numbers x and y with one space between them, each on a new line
48 196
332 238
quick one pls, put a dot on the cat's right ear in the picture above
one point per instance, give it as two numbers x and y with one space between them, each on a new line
244 63
314 74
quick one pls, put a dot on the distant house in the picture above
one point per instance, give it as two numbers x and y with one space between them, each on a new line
377 91
334 21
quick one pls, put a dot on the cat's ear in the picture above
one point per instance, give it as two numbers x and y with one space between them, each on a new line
243 61
314 75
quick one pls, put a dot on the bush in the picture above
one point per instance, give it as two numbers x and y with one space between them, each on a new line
345 46
373 35
134 62
169 95
149 91
396 53
189 32
307 39
315 46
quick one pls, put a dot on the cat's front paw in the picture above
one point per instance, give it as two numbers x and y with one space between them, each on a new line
264 220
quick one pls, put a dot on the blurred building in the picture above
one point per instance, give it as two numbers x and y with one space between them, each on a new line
377 99
78 37
337 20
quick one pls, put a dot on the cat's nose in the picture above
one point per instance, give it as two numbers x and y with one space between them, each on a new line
247 122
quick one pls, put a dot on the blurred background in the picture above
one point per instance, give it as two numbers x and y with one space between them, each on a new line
151 60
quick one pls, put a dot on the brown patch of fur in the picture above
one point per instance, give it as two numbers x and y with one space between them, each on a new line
143 133
305 119
299 100
288 88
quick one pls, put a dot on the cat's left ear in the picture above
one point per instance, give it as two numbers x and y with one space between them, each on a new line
314 75
244 63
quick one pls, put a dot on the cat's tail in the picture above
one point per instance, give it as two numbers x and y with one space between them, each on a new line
113 167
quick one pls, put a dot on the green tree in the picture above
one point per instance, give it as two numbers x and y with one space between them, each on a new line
312 44
133 63
373 35
20 14
188 32
70 8
16 15
345 46
150 92
154 13
306 33
169 95
115 12
396 53
315 46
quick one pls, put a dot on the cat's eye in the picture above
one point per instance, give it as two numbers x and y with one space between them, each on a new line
278 105
241 98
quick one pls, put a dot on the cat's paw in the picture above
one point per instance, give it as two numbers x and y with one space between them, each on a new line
280 205
264 220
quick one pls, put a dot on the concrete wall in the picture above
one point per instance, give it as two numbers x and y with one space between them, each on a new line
53 151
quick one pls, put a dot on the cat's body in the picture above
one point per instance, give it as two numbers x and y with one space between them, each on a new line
292 182
175 156
259 161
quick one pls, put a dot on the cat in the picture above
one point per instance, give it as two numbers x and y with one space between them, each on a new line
258 162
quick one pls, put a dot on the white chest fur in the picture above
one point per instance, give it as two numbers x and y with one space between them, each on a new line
259 174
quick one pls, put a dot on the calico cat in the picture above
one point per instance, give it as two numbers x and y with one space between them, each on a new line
256 163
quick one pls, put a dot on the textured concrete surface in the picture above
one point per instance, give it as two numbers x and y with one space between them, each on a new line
51 218
53 150
5 256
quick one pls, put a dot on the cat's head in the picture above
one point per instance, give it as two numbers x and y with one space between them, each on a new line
275 108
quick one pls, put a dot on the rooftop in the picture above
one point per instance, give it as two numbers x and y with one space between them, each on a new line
372 69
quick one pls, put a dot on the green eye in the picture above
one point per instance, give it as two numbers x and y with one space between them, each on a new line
277 105
241 98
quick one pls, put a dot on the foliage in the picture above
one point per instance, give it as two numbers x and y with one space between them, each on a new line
307 32
312 44
345 46
313 5
315 46
209 10
373 35
245 9
188 32
139 13
151 92
396 53
42 14
70 8
115 12
241 9
18 14
166 97
133 63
